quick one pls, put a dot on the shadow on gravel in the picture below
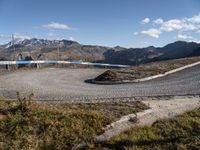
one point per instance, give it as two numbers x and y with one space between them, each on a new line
92 81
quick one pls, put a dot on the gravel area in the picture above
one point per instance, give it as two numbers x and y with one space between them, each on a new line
68 84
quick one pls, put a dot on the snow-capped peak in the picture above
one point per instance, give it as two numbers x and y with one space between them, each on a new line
38 42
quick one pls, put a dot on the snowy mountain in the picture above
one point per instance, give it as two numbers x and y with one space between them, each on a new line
37 42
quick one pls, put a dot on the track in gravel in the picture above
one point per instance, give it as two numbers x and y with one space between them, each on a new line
68 84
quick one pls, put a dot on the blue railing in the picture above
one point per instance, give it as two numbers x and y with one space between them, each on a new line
60 62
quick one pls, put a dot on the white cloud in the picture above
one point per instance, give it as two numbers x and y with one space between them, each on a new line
185 24
71 39
51 34
58 26
4 36
194 40
155 33
135 33
190 24
177 25
172 25
188 38
185 37
145 21
195 19
158 21
18 36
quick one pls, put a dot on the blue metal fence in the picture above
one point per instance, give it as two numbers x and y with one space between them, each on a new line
60 62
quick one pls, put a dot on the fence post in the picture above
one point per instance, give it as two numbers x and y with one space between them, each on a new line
38 66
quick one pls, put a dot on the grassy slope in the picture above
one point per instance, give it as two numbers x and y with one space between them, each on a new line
145 70
179 133
41 126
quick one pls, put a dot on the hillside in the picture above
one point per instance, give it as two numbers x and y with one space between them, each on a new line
46 49
40 49
143 70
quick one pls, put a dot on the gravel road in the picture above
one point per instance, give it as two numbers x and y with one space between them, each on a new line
68 84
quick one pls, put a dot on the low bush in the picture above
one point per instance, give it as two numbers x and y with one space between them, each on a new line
108 75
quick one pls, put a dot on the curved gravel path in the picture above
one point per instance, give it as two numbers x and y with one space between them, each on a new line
68 84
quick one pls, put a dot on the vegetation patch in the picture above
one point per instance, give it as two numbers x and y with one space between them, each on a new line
113 110
179 133
25 124
109 75
145 70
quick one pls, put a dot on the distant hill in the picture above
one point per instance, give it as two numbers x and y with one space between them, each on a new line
47 49
132 56
40 49
178 49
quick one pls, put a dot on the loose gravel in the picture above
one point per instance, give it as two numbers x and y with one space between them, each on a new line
69 85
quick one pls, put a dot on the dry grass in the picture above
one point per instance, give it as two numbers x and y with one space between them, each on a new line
113 110
145 70
179 133
25 124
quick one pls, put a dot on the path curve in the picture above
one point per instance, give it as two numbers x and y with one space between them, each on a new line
68 84
159 109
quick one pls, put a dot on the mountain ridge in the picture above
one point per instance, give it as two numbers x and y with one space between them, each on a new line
72 50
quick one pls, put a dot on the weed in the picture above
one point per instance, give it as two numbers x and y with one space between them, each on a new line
25 102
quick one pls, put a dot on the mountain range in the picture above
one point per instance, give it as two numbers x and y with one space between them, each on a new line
41 49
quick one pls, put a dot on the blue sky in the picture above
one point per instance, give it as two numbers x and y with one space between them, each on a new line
128 23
